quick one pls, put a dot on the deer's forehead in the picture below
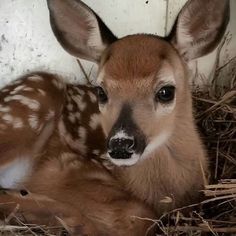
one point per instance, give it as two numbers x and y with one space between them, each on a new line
137 56
164 75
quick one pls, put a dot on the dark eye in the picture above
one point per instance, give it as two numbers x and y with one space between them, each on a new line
102 97
165 94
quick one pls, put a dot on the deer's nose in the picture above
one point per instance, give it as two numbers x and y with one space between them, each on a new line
121 148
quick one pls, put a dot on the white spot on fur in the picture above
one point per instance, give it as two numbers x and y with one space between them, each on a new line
33 121
155 143
14 173
58 84
8 118
92 97
35 78
4 109
69 107
17 89
95 121
81 105
28 89
31 103
72 117
43 93
11 120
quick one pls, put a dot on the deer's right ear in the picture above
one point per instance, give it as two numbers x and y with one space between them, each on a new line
78 29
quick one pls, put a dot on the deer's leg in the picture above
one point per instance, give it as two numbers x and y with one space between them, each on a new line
82 196
25 207
118 217
93 198
29 110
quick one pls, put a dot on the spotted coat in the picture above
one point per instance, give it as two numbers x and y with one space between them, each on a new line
39 108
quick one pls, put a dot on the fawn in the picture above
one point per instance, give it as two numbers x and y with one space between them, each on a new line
144 96
143 123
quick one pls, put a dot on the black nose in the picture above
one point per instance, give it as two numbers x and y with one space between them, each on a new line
121 148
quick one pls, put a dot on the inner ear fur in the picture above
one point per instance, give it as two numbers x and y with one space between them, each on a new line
199 27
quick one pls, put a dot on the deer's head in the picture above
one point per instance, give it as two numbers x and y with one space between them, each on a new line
142 82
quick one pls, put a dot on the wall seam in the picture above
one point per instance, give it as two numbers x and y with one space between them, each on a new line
166 16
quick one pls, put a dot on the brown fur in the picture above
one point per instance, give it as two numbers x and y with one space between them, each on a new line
126 60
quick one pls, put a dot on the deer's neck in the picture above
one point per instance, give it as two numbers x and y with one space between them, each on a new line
172 175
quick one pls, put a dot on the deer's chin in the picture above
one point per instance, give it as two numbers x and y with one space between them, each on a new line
125 162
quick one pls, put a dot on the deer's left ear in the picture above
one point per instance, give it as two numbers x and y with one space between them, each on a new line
199 28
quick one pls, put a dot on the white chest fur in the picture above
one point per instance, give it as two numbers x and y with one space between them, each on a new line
15 173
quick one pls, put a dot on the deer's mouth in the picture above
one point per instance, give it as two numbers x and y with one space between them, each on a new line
131 160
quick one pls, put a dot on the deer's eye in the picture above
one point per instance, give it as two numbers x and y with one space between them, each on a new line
165 94
101 95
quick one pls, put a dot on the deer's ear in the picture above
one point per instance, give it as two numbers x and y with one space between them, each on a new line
78 29
200 26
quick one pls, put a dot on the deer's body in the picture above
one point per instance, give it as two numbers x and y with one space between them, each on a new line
141 122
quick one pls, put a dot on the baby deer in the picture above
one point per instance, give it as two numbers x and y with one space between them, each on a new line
51 179
145 112
144 96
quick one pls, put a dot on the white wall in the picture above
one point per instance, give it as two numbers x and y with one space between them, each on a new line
27 42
